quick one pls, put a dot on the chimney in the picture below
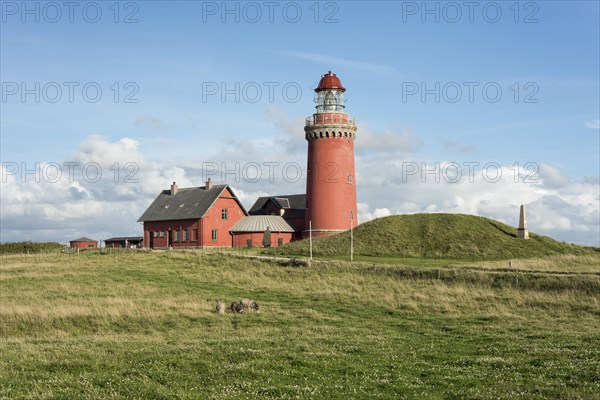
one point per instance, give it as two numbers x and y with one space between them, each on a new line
208 184
174 189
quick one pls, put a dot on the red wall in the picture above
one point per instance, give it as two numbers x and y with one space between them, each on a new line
172 226
329 196
212 220
241 239
84 245
201 229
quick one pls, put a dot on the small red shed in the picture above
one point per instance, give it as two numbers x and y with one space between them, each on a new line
249 231
84 243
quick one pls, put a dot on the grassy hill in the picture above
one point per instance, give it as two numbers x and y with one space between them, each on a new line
455 236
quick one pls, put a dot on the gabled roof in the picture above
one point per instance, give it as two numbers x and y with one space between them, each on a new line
187 203
282 202
84 239
291 201
260 223
123 238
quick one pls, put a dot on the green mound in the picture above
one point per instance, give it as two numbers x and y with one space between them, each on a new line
454 236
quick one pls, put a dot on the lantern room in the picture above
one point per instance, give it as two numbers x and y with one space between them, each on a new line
329 94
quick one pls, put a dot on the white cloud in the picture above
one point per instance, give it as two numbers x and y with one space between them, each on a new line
402 141
99 149
100 191
292 128
105 185
61 210
557 206
595 124
552 176
365 214
151 123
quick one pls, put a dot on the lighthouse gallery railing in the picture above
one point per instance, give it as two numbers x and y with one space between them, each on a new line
319 119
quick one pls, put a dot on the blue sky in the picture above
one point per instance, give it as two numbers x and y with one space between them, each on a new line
381 50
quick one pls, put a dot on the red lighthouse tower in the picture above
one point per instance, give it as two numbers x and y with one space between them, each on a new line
330 183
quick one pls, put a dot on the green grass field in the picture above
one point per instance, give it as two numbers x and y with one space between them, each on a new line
140 325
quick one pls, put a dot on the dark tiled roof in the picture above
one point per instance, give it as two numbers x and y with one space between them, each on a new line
258 205
293 201
123 238
282 202
187 203
84 239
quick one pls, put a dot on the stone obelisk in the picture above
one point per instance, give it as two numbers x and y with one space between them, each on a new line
522 232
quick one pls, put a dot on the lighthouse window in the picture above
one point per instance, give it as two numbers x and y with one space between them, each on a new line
349 178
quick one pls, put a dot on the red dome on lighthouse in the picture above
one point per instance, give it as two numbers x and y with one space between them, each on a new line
330 81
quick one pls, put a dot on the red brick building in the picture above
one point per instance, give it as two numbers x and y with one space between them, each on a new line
291 207
207 216
331 181
250 231
84 243
191 217
329 205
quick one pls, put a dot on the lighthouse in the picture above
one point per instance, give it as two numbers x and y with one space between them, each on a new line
331 181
